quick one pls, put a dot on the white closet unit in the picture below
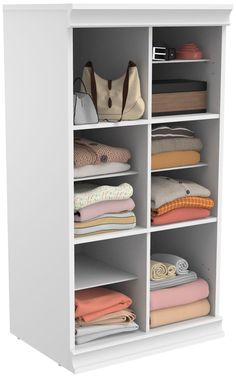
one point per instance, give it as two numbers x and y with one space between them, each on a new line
46 46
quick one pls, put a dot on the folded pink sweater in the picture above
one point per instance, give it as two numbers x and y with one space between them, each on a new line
101 208
89 152
180 295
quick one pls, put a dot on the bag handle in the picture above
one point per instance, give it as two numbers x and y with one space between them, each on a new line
93 83
81 81
126 87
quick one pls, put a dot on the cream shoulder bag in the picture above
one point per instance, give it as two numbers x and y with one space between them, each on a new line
118 99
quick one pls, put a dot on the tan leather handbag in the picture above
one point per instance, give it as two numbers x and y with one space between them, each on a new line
118 99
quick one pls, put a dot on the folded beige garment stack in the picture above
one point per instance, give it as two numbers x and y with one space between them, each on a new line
180 313
122 316
159 270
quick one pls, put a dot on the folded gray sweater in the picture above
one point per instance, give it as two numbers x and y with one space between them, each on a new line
166 189
176 144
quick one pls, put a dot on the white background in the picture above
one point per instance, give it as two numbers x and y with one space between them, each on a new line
212 358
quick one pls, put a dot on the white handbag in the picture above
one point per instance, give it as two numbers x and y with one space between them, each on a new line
118 99
84 109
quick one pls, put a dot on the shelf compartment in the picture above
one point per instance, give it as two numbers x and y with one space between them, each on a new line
110 235
180 61
111 175
140 335
200 165
183 224
183 118
125 270
122 123
90 273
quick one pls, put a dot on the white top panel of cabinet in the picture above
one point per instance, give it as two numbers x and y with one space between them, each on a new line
106 15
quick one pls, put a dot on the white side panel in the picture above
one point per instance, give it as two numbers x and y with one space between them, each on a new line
39 156
220 169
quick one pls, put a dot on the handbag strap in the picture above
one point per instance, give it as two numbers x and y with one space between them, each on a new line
93 83
78 79
126 87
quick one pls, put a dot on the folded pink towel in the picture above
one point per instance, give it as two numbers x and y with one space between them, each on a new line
101 208
180 295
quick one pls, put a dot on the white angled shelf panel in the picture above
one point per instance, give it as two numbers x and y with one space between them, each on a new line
200 165
110 235
112 175
90 273
183 224
176 61
183 118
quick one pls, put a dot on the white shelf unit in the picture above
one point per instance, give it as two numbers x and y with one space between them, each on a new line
178 61
50 44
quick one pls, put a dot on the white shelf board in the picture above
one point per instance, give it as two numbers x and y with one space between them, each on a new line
183 118
112 175
180 61
139 335
90 272
200 165
183 224
110 235
123 123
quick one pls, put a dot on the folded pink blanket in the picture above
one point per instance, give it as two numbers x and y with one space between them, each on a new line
101 208
180 295
89 152
180 214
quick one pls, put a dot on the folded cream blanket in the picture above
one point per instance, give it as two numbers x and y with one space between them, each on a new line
176 144
173 281
164 190
180 295
119 317
103 168
87 334
160 270
87 194
180 263
180 313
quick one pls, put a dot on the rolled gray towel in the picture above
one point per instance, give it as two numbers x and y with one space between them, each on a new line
180 263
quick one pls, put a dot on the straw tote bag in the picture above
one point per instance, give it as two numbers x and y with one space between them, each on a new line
118 99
